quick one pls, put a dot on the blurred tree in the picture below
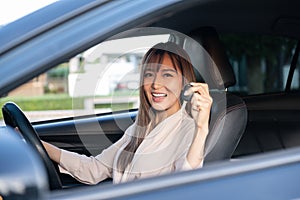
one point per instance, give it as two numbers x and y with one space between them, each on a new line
264 58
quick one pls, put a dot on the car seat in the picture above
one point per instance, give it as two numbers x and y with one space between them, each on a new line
229 113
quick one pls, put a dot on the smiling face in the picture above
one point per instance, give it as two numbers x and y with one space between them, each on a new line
162 84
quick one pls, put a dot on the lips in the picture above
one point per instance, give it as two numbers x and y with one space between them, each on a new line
158 94
158 97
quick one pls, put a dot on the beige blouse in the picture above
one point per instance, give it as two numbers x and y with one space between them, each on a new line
162 151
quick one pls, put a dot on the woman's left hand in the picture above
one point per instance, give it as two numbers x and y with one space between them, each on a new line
201 105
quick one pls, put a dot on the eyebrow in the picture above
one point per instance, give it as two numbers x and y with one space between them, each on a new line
171 70
164 70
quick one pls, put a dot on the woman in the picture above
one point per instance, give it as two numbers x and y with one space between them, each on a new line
167 136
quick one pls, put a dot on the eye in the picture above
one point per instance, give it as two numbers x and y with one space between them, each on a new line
168 75
148 74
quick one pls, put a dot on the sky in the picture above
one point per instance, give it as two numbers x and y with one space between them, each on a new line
11 10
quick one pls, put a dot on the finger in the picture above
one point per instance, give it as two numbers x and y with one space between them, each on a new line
186 93
195 84
204 85
189 91
202 88
199 95
195 108
201 100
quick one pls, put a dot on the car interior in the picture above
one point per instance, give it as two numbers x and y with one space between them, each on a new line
227 108
241 124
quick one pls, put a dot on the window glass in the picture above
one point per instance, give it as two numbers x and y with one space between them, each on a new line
295 85
261 63
104 78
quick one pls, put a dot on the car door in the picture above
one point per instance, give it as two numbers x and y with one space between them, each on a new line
80 28
79 105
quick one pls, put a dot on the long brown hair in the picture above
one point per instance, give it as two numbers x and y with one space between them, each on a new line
181 61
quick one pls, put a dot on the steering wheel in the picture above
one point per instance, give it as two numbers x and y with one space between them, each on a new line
14 117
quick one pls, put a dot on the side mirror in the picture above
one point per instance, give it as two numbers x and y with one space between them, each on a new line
22 175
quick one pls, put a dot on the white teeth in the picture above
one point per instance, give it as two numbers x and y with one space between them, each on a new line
159 95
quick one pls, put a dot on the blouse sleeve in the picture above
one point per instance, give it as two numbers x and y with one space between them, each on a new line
90 170
182 164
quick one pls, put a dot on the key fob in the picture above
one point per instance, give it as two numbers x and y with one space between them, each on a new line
186 97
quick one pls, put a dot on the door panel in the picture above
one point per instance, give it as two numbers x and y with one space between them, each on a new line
86 135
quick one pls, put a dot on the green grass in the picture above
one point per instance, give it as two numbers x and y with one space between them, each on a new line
45 102
58 102
116 107
126 93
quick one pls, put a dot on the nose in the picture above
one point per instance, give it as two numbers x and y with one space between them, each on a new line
157 82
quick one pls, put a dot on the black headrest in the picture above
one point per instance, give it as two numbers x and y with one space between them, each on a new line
216 70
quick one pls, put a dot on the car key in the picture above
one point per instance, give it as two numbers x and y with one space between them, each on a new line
186 97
